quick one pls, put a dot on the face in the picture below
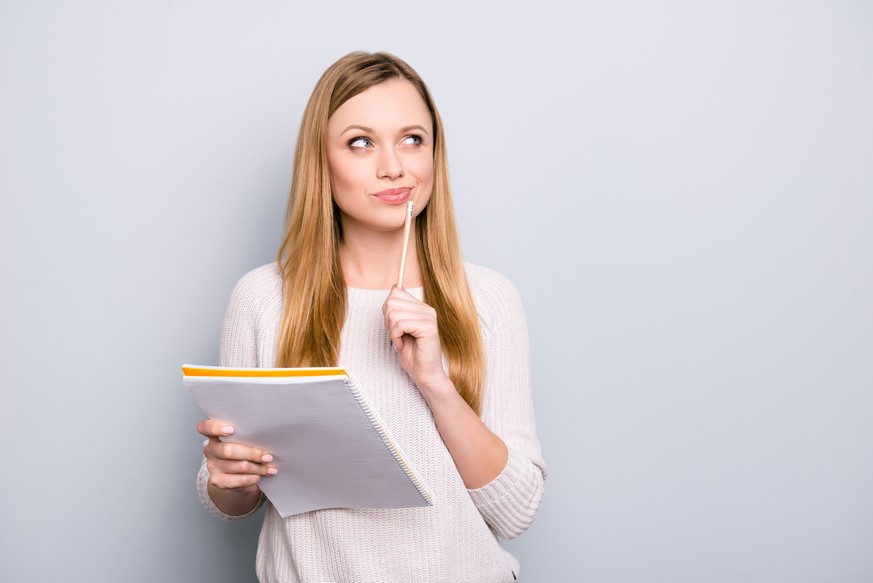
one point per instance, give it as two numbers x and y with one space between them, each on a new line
380 151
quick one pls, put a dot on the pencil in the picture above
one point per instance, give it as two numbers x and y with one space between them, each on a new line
405 244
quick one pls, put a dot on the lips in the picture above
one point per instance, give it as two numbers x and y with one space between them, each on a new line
394 195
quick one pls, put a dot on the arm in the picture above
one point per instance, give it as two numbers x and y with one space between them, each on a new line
478 453
229 476
508 503
498 456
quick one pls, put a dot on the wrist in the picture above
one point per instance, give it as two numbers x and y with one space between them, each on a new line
436 388
234 502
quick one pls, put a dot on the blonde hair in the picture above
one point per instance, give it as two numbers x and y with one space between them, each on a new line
314 292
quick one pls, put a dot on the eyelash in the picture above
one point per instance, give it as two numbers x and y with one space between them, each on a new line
417 137
358 139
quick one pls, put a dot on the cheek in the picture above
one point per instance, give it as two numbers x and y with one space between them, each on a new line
343 177
424 171
424 174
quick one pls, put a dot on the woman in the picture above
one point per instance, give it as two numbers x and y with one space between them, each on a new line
371 140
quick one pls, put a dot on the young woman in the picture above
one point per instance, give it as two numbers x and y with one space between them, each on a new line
444 360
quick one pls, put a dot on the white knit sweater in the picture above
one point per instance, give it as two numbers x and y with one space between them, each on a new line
453 540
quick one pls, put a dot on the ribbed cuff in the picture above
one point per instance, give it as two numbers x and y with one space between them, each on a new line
509 502
501 486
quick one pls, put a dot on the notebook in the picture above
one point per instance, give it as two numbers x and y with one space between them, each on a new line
330 446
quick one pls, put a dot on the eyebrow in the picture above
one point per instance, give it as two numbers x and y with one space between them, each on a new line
367 130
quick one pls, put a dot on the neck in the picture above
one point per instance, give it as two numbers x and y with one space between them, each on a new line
371 260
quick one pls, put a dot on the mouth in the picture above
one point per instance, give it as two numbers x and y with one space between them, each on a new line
394 195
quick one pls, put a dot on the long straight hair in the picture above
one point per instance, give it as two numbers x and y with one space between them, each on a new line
314 291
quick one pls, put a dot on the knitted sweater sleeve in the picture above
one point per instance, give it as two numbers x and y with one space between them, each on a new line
509 502
238 347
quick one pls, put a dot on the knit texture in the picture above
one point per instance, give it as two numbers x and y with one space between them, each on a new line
453 540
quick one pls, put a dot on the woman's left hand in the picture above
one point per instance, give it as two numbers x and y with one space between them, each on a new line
479 454
412 327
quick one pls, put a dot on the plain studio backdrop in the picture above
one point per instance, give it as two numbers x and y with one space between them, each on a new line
682 191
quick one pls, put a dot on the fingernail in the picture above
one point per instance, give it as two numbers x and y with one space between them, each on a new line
272 471
266 458
227 429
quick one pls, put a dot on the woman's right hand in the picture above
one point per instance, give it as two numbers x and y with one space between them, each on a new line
233 467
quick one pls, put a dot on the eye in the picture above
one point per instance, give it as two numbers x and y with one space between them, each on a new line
412 140
360 142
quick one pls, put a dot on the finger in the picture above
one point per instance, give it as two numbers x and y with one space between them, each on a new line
399 292
223 450
240 467
415 327
397 314
407 304
418 333
407 301
234 481
396 339
214 428
400 295
396 328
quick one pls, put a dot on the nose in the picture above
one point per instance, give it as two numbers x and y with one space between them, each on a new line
389 164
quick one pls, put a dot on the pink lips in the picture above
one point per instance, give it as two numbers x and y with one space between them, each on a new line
394 195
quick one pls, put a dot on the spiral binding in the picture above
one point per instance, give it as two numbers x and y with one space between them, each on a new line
388 439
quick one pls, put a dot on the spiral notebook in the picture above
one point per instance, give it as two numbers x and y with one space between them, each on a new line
330 446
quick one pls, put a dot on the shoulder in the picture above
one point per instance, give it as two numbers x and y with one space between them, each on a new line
261 280
251 320
259 287
490 285
494 294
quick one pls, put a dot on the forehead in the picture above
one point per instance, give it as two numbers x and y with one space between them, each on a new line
389 105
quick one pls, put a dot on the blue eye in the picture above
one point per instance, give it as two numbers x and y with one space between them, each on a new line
360 143
413 139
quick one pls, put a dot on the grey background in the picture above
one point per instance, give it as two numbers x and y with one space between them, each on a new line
682 191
